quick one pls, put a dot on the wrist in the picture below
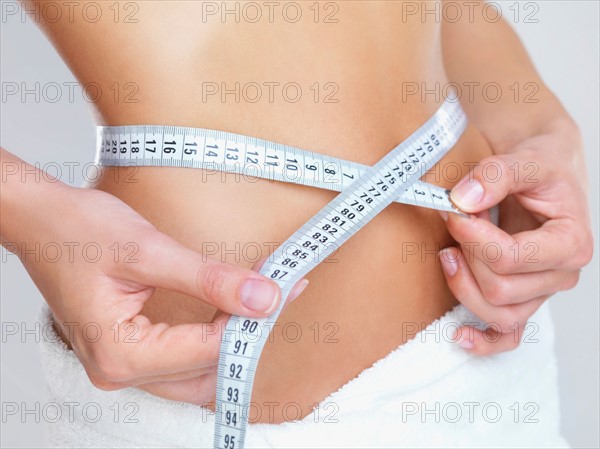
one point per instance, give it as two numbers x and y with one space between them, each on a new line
564 126
28 197
511 124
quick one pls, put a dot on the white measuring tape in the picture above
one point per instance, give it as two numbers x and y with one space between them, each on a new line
174 146
365 191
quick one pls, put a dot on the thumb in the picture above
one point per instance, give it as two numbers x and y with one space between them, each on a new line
163 262
495 177
296 289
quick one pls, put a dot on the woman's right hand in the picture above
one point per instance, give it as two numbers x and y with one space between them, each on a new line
96 290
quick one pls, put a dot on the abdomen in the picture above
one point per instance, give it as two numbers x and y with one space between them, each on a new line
352 104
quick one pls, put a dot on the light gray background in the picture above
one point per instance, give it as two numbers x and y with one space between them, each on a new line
564 45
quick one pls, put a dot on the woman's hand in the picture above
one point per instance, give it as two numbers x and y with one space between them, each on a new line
503 274
109 263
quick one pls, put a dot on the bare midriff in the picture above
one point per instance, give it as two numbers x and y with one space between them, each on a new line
353 75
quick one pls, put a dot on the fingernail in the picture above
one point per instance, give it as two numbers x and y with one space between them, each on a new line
449 262
467 194
259 295
444 215
298 289
465 343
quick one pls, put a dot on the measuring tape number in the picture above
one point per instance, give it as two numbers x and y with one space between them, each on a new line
365 191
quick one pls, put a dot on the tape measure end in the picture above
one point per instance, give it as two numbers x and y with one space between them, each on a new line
455 208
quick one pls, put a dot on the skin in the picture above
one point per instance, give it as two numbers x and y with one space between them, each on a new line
542 191
177 300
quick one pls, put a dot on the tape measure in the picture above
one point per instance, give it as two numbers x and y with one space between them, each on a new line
210 150
365 191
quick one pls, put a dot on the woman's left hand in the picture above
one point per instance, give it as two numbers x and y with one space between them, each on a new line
503 274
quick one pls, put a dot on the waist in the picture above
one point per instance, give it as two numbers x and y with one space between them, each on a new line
388 272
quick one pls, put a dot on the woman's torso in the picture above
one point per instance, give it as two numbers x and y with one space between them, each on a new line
354 63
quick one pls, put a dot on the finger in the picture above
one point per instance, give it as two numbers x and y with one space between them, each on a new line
156 350
177 352
488 341
165 263
497 176
164 353
465 288
485 215
295 291
105 384
502 290
194 374
177 377
560 244
199 391
165 350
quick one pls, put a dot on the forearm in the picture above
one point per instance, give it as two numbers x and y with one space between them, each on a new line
26 196
479 51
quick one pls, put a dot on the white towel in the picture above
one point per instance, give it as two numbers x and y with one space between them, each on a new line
427 393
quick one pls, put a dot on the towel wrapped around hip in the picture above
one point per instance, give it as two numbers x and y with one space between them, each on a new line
426 393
